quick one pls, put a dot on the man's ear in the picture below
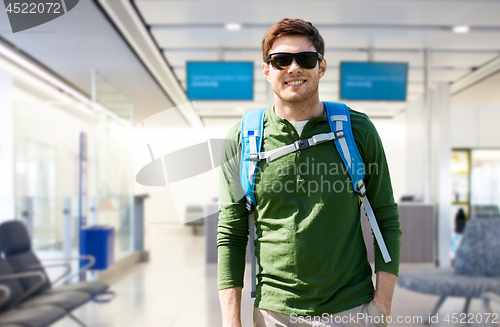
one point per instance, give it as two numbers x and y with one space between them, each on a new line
322 68
265 71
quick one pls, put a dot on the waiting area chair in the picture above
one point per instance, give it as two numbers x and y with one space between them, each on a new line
476 268
492 297
11 314
16 244
31 294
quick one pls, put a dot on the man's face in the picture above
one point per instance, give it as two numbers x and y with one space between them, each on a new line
294 84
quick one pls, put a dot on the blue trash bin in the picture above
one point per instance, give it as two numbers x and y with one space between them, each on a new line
99 241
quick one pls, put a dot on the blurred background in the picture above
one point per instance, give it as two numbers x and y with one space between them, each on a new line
107 91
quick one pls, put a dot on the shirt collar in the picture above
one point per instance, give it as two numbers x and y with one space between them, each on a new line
277 119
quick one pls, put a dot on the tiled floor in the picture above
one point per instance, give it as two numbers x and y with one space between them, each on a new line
176 289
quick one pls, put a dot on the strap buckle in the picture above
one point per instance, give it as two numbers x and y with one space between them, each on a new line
301 144
254 157
361 189
249 205
339 134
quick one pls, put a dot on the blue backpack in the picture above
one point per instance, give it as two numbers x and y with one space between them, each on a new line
252 132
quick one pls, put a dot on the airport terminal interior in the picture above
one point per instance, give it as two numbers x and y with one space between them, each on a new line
112 116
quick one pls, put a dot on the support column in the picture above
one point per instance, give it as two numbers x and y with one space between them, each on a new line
417 147
7 199
440 168
427 125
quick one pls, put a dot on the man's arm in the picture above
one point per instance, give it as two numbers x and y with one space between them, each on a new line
380 195
232 232
386 282
230 303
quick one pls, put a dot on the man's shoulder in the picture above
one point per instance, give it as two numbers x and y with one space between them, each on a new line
235 132
358 117
364 132
361 123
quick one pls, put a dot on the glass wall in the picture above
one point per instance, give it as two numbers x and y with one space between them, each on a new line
460 208
476 188
46 170
113 175
485 184
46 163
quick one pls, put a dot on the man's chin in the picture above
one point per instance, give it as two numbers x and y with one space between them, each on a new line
297 98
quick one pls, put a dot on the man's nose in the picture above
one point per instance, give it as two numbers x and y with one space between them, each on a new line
294 66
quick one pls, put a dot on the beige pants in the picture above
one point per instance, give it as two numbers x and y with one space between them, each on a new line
365 315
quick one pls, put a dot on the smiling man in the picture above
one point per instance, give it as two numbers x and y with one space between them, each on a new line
313 267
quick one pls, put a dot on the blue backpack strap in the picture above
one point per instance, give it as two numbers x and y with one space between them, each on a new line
252 130
340 120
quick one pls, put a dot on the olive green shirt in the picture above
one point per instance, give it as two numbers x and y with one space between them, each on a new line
310 249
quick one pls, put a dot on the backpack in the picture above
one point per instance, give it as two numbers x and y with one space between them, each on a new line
252 132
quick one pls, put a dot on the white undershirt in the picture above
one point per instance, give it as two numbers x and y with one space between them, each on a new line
299 125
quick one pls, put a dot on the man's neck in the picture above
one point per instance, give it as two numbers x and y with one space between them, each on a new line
295 111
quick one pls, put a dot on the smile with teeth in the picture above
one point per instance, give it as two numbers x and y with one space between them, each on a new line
295 82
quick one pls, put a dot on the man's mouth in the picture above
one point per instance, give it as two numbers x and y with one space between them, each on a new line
295 83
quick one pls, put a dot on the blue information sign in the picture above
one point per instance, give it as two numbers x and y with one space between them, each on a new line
224 80
373 81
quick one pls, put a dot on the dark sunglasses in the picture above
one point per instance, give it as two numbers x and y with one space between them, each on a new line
306 60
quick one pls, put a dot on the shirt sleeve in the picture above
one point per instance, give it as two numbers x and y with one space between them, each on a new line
232 231
380 194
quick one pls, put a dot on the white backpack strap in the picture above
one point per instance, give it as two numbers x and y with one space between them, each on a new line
375 228
343 144
299 145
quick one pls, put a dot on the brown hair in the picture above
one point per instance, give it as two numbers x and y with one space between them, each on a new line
288 26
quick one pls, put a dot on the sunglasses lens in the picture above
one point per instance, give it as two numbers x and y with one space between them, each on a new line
307 60
281 61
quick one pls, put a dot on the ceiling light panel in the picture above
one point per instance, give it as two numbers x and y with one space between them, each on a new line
461 29
233 26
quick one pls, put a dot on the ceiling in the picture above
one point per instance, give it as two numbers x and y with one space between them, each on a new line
82 40
354 30
484 93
